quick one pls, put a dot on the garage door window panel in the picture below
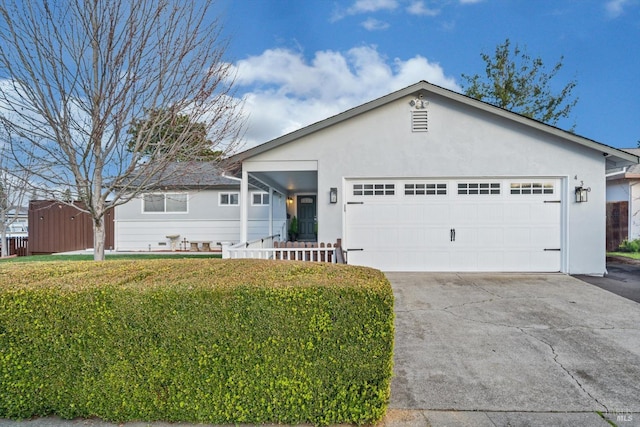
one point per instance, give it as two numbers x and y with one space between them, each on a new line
425 189
374 189
478 188
525 188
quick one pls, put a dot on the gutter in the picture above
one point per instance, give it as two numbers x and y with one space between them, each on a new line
224 174
622 172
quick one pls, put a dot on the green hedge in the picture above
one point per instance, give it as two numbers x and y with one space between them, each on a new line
214 341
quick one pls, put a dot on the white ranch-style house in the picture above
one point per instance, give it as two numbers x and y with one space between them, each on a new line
426 179
422 179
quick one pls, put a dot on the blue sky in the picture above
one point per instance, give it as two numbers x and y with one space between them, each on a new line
300 61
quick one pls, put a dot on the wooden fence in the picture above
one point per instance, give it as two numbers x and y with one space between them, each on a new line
617 224
58 227
18 246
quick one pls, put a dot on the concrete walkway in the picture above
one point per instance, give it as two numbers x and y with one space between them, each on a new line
502 350
622 278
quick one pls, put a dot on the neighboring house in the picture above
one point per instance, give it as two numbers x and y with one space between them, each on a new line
426 179
623 203
194 202
19 219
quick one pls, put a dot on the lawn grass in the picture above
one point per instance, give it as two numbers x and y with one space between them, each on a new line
632 255
109 257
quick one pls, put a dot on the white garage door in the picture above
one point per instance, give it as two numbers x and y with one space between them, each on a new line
454 224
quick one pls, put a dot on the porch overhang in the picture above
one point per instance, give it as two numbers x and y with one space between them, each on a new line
285 177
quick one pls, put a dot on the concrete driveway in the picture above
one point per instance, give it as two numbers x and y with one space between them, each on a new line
508 349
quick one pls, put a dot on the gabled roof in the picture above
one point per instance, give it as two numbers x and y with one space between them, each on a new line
426 87
194 175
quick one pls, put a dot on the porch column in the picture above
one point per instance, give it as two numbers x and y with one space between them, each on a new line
244 206
271 199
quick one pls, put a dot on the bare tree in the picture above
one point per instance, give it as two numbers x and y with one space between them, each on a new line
75 74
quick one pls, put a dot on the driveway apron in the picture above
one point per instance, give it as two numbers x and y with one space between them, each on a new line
513 342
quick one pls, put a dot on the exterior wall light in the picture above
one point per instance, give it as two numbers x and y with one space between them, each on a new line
582 193
289 200
333 195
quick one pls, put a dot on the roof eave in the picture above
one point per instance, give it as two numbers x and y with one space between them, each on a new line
447 93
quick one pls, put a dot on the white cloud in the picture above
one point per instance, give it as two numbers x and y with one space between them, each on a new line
372 24
470 1
364 6
283 91
615 8
420 9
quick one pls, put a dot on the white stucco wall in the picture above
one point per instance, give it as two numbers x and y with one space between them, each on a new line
205 220
461 142
618 191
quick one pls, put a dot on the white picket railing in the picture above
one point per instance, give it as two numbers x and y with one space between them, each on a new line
271 248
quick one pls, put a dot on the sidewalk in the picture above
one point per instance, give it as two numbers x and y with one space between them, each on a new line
398 418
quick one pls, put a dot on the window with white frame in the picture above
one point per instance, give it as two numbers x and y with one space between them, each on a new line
165 203
260 199
229 199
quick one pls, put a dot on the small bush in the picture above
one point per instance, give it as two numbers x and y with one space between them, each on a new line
211 341
630 246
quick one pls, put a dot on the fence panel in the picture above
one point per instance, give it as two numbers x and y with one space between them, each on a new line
18 246
617 224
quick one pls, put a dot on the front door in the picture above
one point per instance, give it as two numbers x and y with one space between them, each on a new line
307 218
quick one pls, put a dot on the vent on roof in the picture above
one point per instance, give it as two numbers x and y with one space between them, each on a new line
419 121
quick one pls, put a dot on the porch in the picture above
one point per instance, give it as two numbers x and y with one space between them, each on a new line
295 183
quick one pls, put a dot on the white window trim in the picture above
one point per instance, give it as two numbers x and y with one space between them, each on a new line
229 193
262 194
164 212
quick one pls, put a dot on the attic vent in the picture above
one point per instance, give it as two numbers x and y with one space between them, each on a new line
419 121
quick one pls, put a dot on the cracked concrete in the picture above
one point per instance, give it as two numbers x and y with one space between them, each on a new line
513 343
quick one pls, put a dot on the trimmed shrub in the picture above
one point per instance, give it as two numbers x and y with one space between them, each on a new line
212 341
629 246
